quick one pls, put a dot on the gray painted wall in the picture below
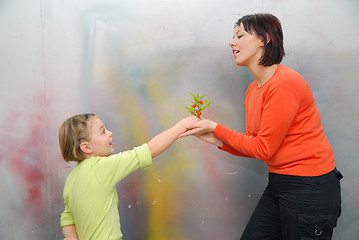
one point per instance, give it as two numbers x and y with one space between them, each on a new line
134 63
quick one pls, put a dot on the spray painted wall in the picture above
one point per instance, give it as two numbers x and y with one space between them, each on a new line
134 63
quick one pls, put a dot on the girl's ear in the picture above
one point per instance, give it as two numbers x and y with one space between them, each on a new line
85 148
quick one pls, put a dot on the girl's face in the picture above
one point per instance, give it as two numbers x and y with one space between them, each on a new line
101 138
247 48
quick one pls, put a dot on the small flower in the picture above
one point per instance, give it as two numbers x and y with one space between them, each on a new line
198 105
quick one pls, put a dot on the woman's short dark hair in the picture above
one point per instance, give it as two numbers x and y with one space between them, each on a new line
262 24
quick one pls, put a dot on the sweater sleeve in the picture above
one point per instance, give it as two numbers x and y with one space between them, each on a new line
111 170
227 148
66 217
279 109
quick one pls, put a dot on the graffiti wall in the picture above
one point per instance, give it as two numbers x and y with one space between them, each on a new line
134 63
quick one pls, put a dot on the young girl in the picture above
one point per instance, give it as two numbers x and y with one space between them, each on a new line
283 128
90 195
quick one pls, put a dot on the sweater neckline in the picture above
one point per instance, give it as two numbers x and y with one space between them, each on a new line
270 79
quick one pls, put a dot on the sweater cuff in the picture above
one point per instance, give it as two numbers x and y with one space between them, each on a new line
225 147
66 219
218 131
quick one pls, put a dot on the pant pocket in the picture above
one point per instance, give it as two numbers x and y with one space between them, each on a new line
338 174
312 226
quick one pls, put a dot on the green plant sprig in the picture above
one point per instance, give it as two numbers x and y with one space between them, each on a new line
198 105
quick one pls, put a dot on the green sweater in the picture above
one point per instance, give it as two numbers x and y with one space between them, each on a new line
90 195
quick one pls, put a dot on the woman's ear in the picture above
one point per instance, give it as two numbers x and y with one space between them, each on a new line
85 148
262 43
268 40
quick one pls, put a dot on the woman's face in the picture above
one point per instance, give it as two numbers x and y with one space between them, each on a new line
247 48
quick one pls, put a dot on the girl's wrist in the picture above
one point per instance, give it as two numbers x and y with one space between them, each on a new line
181 126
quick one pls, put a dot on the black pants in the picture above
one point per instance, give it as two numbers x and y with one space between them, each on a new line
296 208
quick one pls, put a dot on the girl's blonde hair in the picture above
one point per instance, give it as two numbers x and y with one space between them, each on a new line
71 134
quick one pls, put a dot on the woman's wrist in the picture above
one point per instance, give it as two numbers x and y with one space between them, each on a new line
213 126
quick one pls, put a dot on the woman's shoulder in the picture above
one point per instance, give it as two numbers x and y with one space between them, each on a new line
290 80
287 76
288 72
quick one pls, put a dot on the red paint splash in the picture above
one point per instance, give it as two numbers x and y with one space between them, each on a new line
24 148
29 163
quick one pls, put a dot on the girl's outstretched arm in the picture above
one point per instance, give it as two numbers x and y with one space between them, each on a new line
162 141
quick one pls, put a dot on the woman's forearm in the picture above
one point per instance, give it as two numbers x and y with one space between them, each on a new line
209 138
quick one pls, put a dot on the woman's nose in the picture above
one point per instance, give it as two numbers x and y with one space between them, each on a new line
231 43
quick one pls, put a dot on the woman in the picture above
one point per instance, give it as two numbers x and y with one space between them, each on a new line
283 128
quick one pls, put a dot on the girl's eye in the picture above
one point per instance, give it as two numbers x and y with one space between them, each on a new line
103 131
239 36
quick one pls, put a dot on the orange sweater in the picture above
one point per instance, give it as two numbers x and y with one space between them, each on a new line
283 127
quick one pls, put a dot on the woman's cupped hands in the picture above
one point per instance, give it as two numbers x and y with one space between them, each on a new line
203 129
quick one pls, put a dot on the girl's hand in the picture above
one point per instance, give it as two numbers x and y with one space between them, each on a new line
184 123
